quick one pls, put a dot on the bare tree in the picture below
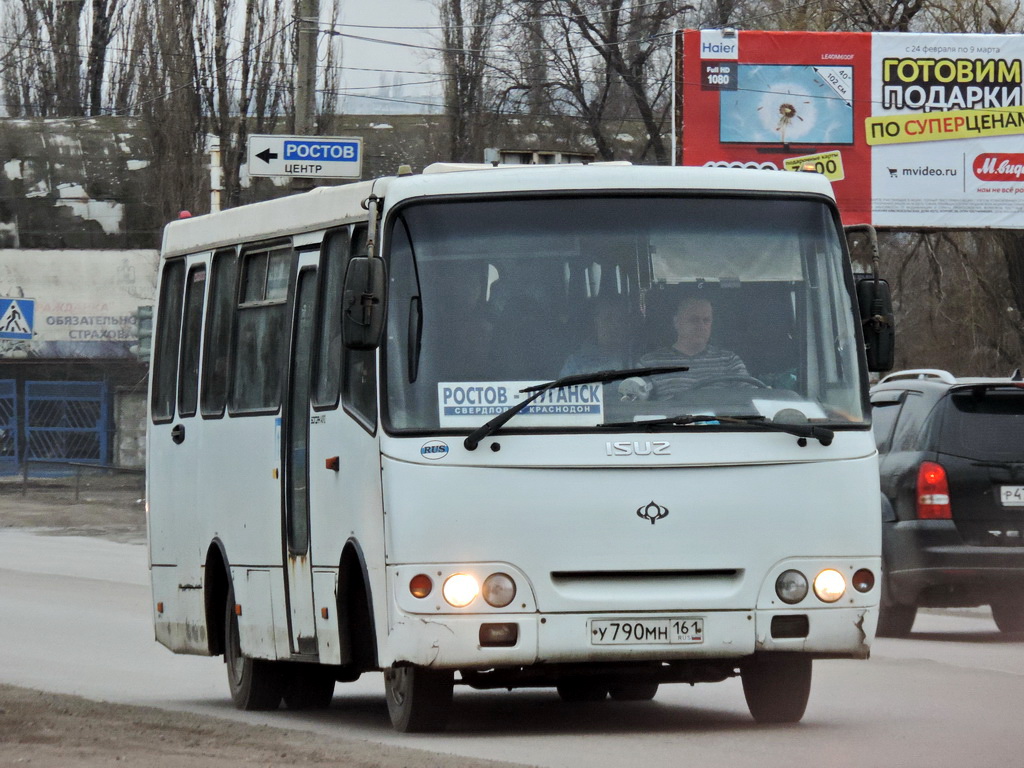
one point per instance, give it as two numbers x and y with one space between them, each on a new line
243 83
58 55
104 13
608 61
467 31
879 15
169 103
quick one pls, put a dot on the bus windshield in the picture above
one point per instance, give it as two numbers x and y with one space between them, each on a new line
491 296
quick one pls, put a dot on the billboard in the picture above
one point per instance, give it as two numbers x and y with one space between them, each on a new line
73 303
913 130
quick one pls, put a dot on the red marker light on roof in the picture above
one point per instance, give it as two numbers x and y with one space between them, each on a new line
932 492
185 215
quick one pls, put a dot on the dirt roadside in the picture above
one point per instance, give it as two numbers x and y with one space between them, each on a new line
54 731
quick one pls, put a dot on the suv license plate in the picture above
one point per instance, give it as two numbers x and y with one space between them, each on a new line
1012 495
685 630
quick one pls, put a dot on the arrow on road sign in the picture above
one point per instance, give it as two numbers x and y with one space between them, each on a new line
323 157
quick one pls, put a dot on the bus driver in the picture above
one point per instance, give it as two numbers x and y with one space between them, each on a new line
692 322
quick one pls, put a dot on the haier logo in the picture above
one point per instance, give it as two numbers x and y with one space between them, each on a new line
999 167
715 45
721 50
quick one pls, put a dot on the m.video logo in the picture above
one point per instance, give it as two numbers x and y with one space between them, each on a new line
999 167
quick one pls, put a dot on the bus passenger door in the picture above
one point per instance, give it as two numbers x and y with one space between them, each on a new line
295 443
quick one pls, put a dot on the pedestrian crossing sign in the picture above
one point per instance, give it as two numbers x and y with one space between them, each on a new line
16 318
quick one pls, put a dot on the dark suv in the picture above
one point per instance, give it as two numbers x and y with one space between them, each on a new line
951 457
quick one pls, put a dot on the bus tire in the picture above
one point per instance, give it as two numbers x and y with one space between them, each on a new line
419 699
777 687
308 686
633 691
256 684
1008 615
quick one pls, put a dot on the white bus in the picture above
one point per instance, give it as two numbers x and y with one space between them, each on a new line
413 426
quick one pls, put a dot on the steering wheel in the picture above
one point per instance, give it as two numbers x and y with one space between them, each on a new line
730 378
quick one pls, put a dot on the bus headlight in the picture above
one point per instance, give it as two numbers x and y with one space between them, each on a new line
499 590
829 585
460 590
791 587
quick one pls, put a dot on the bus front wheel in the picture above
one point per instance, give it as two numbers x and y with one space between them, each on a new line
419 699
777 687
256 684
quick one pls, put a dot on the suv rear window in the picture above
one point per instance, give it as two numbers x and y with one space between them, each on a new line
985 426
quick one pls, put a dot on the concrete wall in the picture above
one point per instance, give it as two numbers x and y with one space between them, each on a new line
129 428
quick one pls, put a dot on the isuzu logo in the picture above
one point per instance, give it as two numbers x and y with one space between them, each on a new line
653 512
638 448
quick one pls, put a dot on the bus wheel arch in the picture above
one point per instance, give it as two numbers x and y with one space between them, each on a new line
216 587
355 612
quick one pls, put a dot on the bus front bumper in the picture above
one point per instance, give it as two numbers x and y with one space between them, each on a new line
466 642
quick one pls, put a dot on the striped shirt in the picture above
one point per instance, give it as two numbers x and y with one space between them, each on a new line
709 364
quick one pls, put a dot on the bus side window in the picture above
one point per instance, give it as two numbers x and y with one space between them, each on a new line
188 368
223 287
261 341
333 261
165 354
359 380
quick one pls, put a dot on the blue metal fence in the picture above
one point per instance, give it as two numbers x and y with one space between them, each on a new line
8 426
67 421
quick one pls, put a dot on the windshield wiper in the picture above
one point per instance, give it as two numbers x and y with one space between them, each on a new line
600 377
823 435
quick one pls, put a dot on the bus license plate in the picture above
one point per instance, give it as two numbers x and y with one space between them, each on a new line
1012 495
663 631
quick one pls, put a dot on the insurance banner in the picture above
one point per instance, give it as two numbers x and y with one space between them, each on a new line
913 130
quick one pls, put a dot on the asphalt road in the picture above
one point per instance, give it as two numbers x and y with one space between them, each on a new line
75 618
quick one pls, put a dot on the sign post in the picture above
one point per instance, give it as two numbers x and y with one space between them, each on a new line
321 157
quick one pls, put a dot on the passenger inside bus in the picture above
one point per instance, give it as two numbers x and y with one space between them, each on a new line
692 323
612 340
457 292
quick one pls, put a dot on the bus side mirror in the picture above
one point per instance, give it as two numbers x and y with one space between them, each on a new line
876 315
362 311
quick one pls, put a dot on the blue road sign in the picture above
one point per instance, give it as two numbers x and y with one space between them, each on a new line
17 317
316 156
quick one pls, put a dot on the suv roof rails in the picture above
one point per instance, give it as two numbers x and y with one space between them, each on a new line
921 373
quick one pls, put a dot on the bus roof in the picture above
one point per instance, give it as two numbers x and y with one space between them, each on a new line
325 207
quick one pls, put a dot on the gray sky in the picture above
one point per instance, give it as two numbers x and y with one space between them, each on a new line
403 78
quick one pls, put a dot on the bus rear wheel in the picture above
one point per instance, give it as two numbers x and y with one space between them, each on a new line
256 684
419 699
777 687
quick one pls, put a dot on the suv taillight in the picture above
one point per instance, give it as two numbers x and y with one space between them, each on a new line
932 492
